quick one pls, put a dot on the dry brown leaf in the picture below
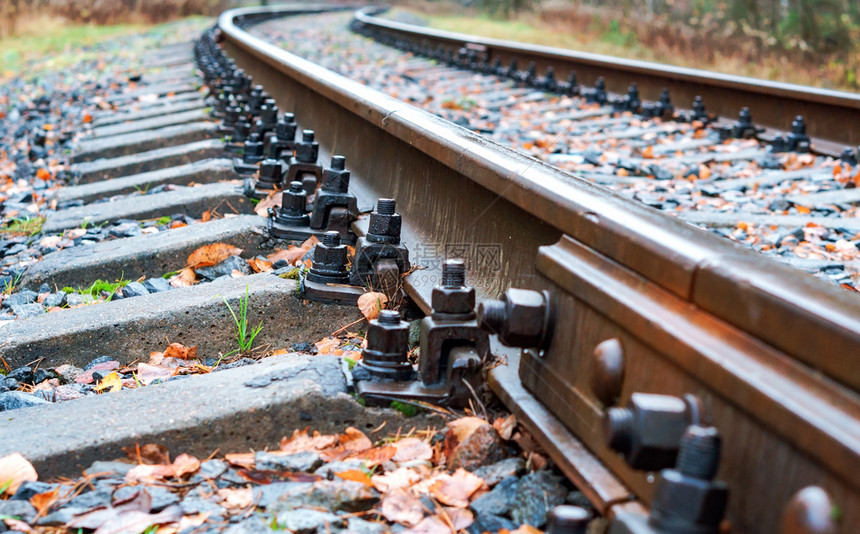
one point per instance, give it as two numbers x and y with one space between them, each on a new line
376 456
236 498
149 473
273 200
177 350
371 303
459 517
111 382
149 454
147 374
15 470
352 441
241 459
527 529
211 254
42 502
455 490
206 216
293 254
19 526
356 476
399 478
401 507
184 278
410 449
185 464
430 525
260 265
327 346
301 441
505 426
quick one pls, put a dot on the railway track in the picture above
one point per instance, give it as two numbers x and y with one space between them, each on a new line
625 327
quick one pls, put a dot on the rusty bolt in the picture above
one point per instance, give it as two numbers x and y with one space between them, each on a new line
567 519
453 299
329 261
648 431
521 318
810 511
687 499
607 373
307 150
385 224
387 345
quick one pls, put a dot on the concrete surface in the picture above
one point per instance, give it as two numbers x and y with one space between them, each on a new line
152 123
144 141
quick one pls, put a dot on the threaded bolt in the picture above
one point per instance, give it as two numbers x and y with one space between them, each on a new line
618 428
307 136
386 206
492 315
330 239
391 317
567 519
453 273
296 187
699 454
338 163
798 126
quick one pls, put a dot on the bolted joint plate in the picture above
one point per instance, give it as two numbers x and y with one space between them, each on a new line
437 339
368 254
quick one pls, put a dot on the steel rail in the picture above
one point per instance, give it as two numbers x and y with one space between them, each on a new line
769 348
774 104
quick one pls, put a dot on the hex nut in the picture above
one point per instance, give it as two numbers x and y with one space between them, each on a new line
454 300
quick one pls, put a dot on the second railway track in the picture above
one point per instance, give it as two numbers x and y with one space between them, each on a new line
630 324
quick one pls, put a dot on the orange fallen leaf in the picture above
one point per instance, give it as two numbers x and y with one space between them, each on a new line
241 459
802 209
176 224
111 382
371 303
460 518
42 502
505 426
648 152
185 464
87 118
352 441
430 525
48 127
260 265
43 174
527 529
206 216
208 255
15 470
273 200
184 278
301 441
293 254
177 350
327 346
377 455
403 477
455 490
356 476
147 374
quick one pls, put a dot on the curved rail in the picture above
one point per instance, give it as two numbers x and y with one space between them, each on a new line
768 347
773 104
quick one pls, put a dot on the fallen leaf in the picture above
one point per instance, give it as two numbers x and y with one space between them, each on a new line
505 426
455 490
15 470
42 502
208 255
149 473
184 278
177 350
376 456
236 498
411 449
18 526
401 507
241 459
236 273
327 345
206 216
111 382
260 265
272 200
429 525
301 441
185 464
147 374
293 254
355 475
87 376
371 303
87 118
461 518
527 529
352 441
399 478
124 520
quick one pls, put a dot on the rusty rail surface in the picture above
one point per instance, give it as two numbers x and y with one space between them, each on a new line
774 104
768 351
